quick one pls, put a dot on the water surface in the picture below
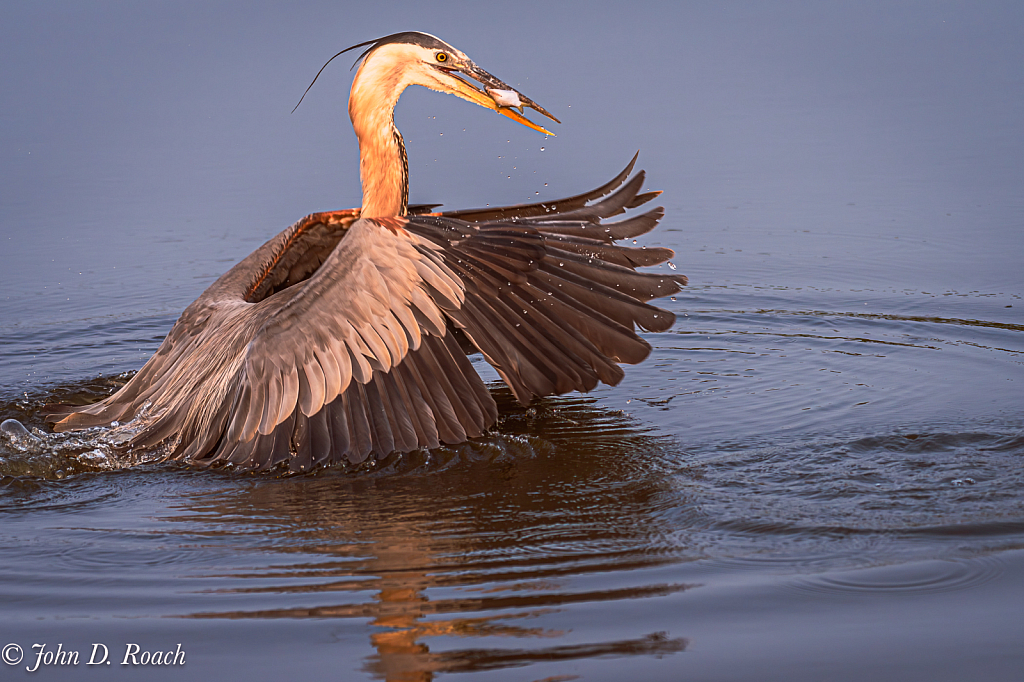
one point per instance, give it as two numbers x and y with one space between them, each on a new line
818 473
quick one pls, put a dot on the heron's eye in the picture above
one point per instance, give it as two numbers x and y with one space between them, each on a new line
442 57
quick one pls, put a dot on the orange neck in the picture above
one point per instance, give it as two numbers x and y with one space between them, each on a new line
383 165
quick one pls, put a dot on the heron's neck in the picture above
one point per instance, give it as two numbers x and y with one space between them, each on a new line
383 166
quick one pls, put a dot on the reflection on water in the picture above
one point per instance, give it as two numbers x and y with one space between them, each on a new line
484 528
477 541
504 552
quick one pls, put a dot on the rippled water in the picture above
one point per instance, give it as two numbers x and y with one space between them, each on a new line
818 474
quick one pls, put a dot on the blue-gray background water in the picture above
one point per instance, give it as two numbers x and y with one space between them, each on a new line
818 474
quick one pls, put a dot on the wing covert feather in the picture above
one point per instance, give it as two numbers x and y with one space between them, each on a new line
347 313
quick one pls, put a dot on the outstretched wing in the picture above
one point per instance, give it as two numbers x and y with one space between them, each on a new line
336 339
182 361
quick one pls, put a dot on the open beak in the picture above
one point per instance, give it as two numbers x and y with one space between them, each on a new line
495 95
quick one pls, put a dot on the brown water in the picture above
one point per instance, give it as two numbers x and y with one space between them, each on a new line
819 473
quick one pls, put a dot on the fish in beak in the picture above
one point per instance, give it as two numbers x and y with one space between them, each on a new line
493 93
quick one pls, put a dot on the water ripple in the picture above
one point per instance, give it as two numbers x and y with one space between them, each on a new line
921 577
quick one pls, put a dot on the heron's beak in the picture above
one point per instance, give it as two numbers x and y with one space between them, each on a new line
495 95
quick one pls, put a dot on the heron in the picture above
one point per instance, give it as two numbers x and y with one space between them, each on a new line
347 336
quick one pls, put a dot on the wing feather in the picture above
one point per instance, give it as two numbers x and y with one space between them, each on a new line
249 404
331 371
337 421
311 387
382 436
355 407
272 385
377 351
320 445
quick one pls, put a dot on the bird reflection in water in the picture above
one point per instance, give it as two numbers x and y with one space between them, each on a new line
510 527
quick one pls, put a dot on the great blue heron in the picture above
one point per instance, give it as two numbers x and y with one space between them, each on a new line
347 334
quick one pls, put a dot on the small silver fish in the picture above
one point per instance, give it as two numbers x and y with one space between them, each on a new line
505 98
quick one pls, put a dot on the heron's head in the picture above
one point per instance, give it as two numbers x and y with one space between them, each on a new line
392 63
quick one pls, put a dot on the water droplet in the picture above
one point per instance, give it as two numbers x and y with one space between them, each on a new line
442 133
634 241
672 298
14 427
542 148
672 265
545 184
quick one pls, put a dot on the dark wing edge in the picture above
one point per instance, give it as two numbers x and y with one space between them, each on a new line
547 208
552 302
